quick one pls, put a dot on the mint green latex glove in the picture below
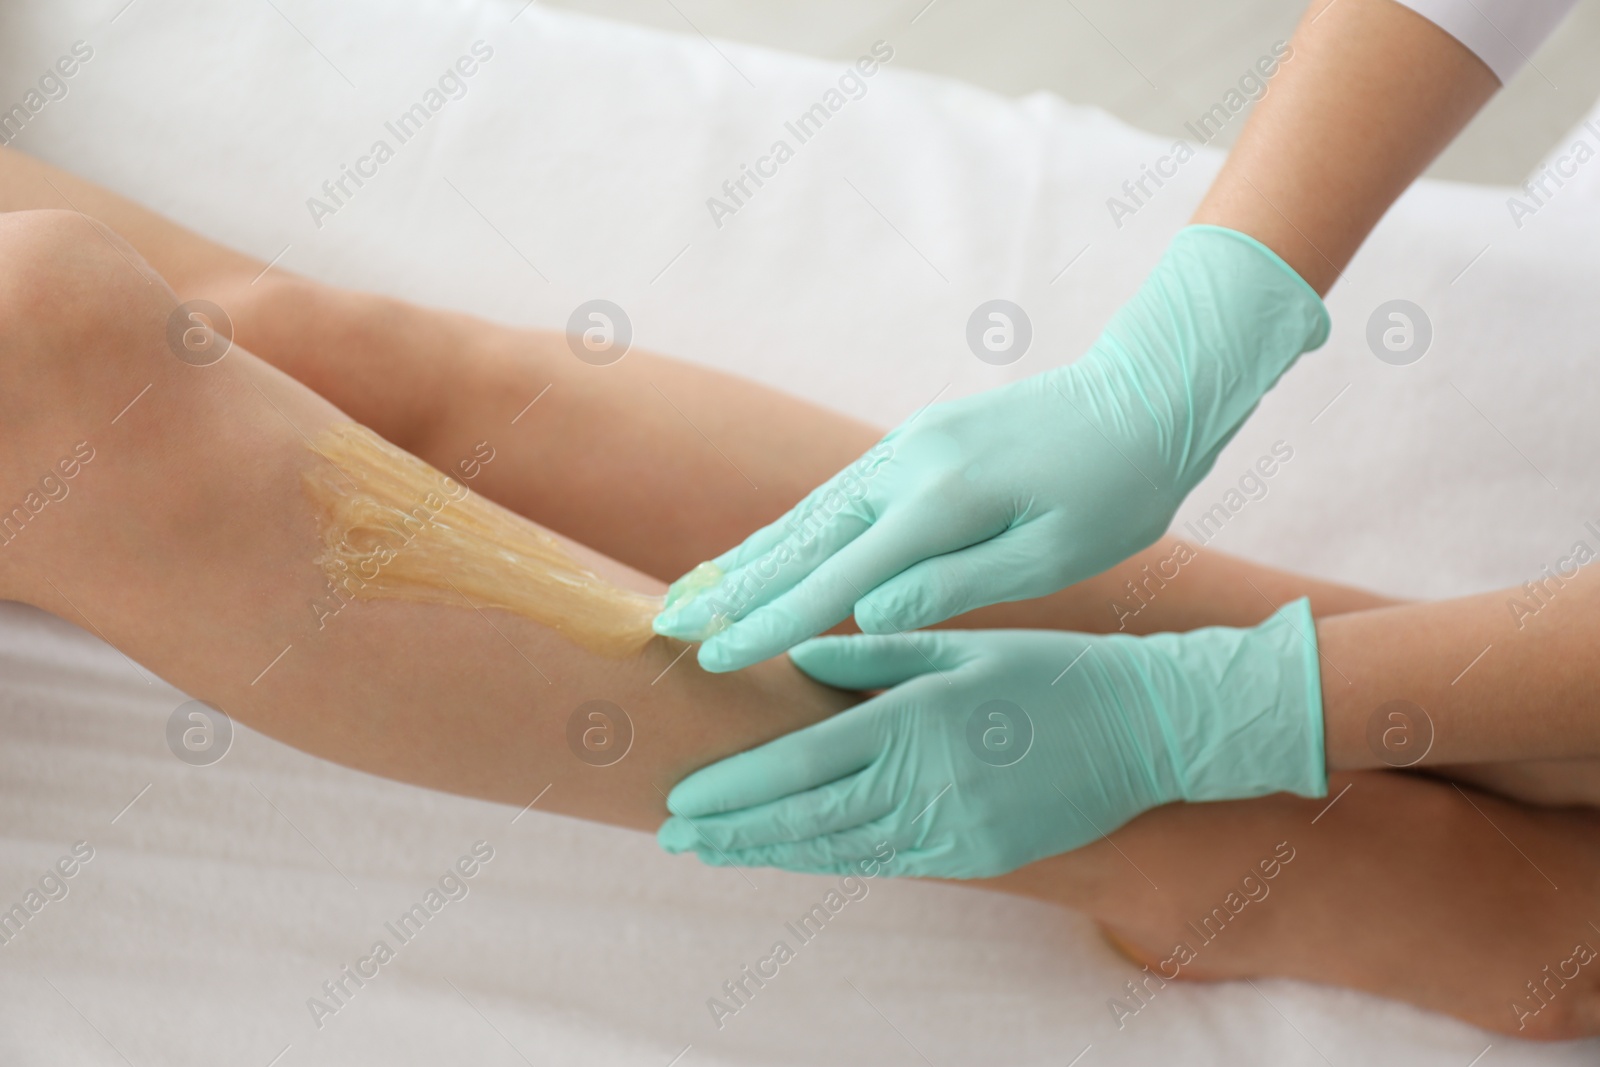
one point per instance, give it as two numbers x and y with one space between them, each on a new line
1023 490
995 748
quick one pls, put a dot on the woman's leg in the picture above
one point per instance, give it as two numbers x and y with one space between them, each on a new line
184 535
187 539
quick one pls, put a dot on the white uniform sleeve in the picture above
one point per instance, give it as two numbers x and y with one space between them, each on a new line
1502 33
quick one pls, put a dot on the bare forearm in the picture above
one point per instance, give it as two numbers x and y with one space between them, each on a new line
1499 677
1371 94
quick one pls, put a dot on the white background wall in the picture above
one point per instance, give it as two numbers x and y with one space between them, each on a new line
1154 63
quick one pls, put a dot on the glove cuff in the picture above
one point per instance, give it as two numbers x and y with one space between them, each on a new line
1182 364
1263 731
1300 304
1295 630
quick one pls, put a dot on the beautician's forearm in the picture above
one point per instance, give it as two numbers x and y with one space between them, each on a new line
1497 683
1372 93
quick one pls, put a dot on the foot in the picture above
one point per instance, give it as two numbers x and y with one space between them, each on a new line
1420 891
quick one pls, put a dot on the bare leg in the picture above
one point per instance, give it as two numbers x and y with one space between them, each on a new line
188 541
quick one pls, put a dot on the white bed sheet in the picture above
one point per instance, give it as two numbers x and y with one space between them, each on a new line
583 151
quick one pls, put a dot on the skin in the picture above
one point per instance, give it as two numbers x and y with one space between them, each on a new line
187 543
1371 96
1533 695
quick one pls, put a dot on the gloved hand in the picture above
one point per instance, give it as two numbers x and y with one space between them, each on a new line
1022 490
997 748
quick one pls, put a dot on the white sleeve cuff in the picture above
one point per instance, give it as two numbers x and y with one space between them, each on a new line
1502 33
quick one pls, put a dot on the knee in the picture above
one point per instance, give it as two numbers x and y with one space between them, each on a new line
65 277
73 296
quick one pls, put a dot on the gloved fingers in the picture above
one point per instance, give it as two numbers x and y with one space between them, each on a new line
836 853
825 596
769 564
806 759
877 661
837 806
945 586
